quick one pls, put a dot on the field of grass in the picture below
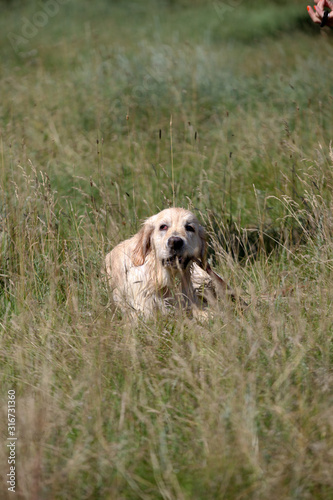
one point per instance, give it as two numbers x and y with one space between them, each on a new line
98 101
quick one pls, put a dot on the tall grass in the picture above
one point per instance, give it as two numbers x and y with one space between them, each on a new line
235 407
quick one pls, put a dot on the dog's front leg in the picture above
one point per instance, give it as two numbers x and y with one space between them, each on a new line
188 292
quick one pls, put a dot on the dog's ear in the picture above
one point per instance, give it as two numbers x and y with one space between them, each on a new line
142 244
203 241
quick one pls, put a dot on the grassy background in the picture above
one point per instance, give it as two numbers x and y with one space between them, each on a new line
240 407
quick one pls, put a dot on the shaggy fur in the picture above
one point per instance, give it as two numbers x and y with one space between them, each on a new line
155 269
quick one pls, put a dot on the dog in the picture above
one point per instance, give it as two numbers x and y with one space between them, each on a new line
163 266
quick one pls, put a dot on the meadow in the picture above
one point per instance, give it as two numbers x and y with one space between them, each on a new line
110 112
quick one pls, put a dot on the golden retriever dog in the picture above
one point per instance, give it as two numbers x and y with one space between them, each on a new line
163 266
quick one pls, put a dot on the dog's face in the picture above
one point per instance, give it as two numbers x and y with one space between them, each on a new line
175 236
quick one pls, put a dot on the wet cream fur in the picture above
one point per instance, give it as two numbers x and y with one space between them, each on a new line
146 275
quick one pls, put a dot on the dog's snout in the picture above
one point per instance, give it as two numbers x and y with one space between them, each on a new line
175 243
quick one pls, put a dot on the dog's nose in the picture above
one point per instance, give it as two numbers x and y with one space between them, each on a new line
175 243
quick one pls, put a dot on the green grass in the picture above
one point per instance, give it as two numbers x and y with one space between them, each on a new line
238 407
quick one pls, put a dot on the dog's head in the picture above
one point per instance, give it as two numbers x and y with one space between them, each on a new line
174 235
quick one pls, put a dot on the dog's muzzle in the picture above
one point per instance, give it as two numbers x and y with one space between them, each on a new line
175 243
176 259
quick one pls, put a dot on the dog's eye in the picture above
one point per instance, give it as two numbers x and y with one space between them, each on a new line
163 227
189 228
